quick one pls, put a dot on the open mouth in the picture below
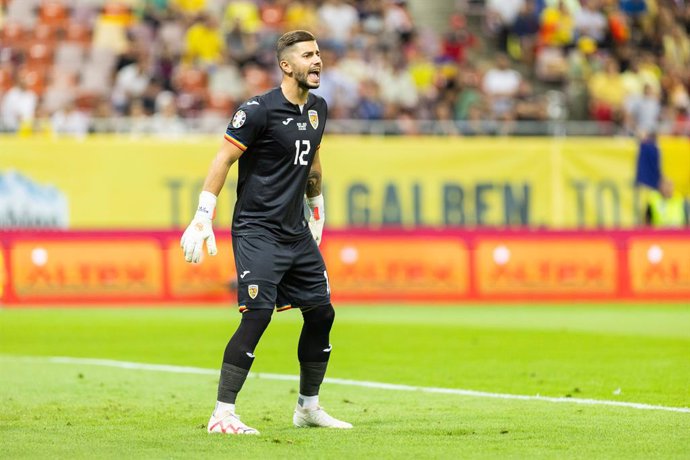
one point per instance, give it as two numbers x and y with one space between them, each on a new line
315 74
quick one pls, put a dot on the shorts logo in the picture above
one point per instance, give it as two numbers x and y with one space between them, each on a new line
314 118
239 119
253 290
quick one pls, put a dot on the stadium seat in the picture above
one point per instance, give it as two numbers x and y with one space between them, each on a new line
94 80
34 75
39 52
46 32
6 81
191 80
79 33
220 104
23 12
13 34
103 58
53 12
69 57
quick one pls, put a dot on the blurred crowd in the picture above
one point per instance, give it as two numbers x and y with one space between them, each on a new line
163 66
621 61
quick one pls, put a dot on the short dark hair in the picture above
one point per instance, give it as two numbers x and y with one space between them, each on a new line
290 38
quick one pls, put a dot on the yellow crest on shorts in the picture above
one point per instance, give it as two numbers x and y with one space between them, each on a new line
314 118
253 290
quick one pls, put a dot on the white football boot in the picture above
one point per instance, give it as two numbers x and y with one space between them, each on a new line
228 423
316 417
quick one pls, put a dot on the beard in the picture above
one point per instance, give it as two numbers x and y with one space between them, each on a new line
302 79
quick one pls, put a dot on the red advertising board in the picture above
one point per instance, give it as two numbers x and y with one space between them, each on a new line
42 268
397 267
557 266
68 269
660 265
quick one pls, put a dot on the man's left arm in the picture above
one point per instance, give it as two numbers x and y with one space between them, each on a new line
315 199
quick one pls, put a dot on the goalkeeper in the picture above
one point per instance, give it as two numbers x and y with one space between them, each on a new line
275 138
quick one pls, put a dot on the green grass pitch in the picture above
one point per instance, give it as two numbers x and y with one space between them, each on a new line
625 353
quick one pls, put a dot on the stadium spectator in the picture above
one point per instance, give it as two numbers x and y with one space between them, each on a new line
591 22
272 16
18 107
338 20
642 112
500 84
458 40
469 103
189 8
242 15
138 122
648 165
676 48
131 82
676 91
204 43
301 14
557 25
185 48
70 120
619 26
529 106
370 106
633 8
607 93
371 14
398 89
524 33
397 20
110 28
166 120
500 18
103 117
667 208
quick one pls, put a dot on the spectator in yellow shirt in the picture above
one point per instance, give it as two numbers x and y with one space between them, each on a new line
242 13
606 93
204 43
557 26
189 8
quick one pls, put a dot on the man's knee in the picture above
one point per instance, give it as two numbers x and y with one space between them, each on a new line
259 314
324 314
240 350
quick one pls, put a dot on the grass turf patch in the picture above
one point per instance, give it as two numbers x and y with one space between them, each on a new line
75 410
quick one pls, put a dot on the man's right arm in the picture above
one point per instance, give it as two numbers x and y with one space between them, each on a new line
200 230
228 154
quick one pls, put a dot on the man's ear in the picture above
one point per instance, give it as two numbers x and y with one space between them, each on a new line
285 66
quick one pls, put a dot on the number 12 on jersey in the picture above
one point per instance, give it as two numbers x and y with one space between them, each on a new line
302 149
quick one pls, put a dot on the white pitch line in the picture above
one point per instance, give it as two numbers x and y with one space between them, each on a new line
354 383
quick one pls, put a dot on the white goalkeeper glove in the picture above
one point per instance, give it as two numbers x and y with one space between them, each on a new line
318 217
200 230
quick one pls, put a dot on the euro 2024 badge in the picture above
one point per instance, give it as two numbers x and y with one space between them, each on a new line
314 118
253 290
239 119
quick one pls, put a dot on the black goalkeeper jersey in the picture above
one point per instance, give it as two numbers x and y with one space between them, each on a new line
279 143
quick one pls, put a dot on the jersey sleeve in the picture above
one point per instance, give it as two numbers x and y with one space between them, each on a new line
247 124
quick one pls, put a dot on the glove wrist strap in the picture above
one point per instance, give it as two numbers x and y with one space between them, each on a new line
316 205
207 205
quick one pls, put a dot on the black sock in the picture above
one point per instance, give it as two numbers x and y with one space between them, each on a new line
239 353
314 348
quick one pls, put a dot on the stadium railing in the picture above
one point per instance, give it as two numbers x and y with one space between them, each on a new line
213 124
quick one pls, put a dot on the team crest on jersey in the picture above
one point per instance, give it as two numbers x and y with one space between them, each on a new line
253 290
239 119
314 118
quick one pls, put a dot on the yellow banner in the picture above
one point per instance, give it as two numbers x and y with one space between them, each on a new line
119 182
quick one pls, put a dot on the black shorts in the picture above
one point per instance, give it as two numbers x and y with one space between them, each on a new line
272 274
